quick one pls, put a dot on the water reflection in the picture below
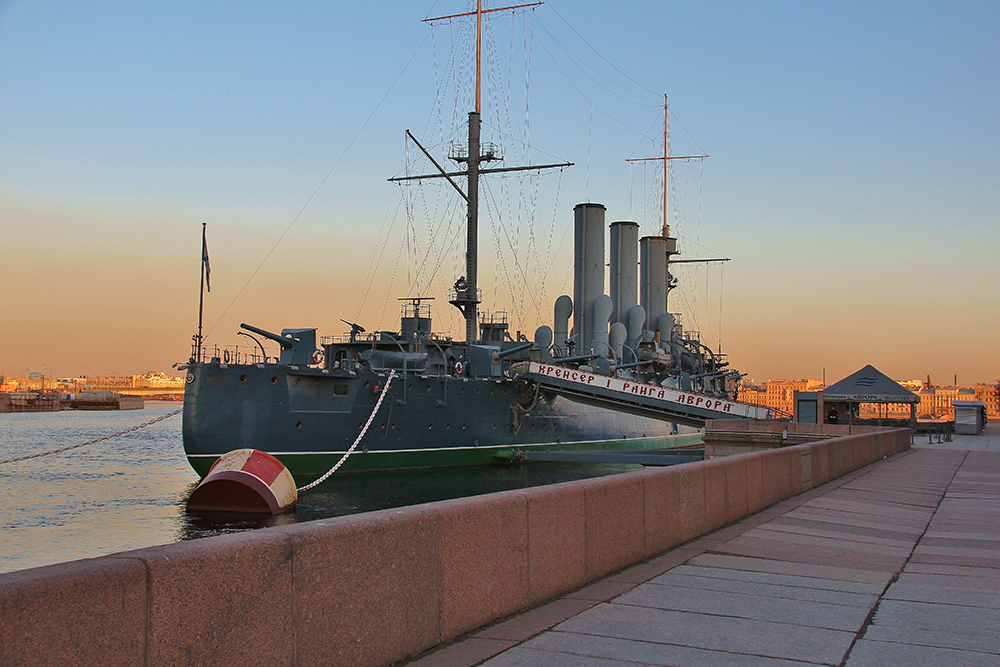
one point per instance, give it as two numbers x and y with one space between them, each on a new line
129 492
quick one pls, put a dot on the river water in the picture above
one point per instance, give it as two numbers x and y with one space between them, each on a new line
129 492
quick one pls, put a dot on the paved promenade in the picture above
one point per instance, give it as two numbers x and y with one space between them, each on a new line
894 564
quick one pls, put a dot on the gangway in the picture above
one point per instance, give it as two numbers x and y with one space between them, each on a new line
636 397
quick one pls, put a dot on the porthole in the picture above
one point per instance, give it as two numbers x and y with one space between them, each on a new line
367 384
430 426
298 424
447 426
274 379
243 377
298 382
392 426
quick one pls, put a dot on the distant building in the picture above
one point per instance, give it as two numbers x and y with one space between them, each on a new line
155 380
990 395
935 402
776 394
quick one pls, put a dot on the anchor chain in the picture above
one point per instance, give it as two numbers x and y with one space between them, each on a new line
378 404
91 442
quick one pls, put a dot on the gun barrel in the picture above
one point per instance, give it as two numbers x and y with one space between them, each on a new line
285 343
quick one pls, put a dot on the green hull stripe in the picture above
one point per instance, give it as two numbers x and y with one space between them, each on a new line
314 464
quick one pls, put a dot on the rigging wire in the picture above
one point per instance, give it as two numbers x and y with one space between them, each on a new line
597 76
318 187
377 257
612 65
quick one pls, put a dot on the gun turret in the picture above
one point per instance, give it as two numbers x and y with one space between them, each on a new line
285 342
355 329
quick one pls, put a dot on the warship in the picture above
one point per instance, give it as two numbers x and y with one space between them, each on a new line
423 399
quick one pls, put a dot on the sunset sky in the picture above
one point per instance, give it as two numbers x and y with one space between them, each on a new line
854 177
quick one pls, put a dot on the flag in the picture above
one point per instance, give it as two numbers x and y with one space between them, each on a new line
204 259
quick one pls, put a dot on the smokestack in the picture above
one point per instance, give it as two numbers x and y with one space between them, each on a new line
624 262
653 277
588 270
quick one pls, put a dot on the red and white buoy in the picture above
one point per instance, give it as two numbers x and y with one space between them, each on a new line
245 480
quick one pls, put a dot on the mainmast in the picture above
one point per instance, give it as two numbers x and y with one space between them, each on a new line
465 295
671 247
666 153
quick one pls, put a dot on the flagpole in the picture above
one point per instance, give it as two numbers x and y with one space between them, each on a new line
201 294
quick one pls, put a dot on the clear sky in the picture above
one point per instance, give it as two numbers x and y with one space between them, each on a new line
854 176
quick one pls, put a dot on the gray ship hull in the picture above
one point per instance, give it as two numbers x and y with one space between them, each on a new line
308 418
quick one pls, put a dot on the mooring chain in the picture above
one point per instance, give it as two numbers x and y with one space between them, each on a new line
378 404
91 442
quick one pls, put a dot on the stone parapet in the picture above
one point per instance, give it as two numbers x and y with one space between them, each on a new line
374 588
725 437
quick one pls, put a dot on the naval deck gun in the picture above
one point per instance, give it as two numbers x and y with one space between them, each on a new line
298 346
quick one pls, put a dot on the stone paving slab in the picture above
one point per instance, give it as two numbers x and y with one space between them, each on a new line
525 656
557 648
981 573
470 651
888 498
718 633
900 513
830 539
530 623
813 554
602 590
753 605
978 642
843 518
931 616
966 560
949 580
957 595
806 583
795 569
985 541
785 591
883 654
841 532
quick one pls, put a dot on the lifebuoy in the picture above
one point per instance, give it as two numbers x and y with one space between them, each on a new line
458 368
318 357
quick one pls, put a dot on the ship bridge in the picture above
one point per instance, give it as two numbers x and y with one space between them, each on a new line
640 398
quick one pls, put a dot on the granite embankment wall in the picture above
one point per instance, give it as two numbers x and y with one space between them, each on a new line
374 588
